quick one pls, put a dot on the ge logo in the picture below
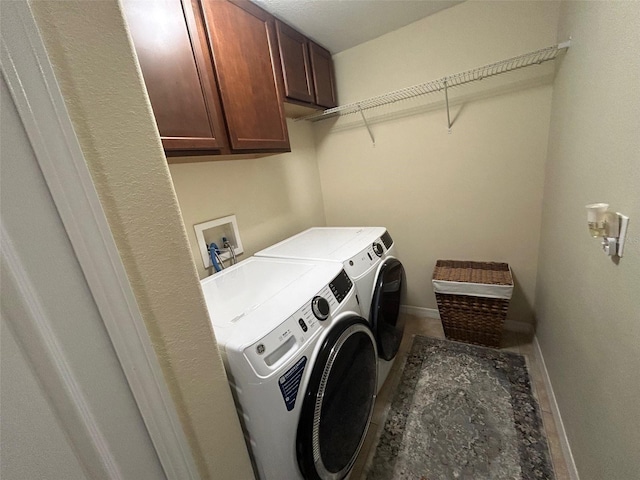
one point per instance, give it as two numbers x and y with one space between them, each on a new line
260 349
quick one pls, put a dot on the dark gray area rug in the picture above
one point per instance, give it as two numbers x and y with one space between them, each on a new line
462 412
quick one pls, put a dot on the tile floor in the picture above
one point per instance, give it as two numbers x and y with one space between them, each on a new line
512 341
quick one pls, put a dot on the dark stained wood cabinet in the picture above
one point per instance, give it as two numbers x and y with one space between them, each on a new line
215 77
323 78
296 64
172 50
307 69
244 47
212 70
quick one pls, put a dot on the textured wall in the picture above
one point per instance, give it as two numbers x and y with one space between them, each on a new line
587 305
95 66
473 194
272 197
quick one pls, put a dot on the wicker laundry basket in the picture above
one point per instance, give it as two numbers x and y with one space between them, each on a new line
473 298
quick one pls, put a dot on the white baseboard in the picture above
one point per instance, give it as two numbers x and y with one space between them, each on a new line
423 312
562 434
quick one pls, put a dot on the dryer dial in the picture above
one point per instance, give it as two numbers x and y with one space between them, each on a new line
377 249
320 307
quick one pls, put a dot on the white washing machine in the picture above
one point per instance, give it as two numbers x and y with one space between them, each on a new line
301 362
368 257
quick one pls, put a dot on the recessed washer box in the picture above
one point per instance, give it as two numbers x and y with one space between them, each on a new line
213 231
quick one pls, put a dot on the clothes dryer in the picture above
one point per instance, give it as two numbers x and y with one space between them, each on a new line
301 362
368 256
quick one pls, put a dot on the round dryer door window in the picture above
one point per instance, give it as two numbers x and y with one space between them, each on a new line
386 321
338 402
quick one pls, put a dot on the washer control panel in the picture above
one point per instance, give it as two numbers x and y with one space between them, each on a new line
303 325
272 351
341 286
320 307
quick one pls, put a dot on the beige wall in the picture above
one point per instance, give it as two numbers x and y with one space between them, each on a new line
473 194
272 197
95 66
587 305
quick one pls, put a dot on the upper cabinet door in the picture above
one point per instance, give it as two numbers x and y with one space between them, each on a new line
247 63
322 67
171 46
296 65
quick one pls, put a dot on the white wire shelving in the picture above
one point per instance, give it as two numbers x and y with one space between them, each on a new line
536 57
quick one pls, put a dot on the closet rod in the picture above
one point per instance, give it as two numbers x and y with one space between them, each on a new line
521 61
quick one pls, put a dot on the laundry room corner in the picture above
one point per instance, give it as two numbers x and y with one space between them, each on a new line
472 193
320 239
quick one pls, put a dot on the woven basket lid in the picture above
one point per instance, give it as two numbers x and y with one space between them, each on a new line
491 273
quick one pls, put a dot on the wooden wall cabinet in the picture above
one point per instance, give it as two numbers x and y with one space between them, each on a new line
322 67
296 64
212 70
243 43
307 69
173 54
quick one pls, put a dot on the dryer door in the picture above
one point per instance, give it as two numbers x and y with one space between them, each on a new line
385 308
338 402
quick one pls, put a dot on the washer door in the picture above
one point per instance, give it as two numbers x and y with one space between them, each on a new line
338 402
385 308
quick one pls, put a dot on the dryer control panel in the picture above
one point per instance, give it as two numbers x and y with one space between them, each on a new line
367 258
387 240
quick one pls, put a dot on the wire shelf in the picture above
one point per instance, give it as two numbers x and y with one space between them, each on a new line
442 84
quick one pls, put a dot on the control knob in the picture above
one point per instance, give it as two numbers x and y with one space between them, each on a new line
320 307
377 249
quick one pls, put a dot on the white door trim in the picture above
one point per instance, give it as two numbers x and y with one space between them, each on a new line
30 78
33 327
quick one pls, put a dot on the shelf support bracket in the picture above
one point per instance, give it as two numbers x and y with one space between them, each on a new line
446 99
366 124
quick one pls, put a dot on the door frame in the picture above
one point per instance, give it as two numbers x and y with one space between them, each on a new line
29 76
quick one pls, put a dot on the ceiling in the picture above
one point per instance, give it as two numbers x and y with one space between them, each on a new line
341 24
